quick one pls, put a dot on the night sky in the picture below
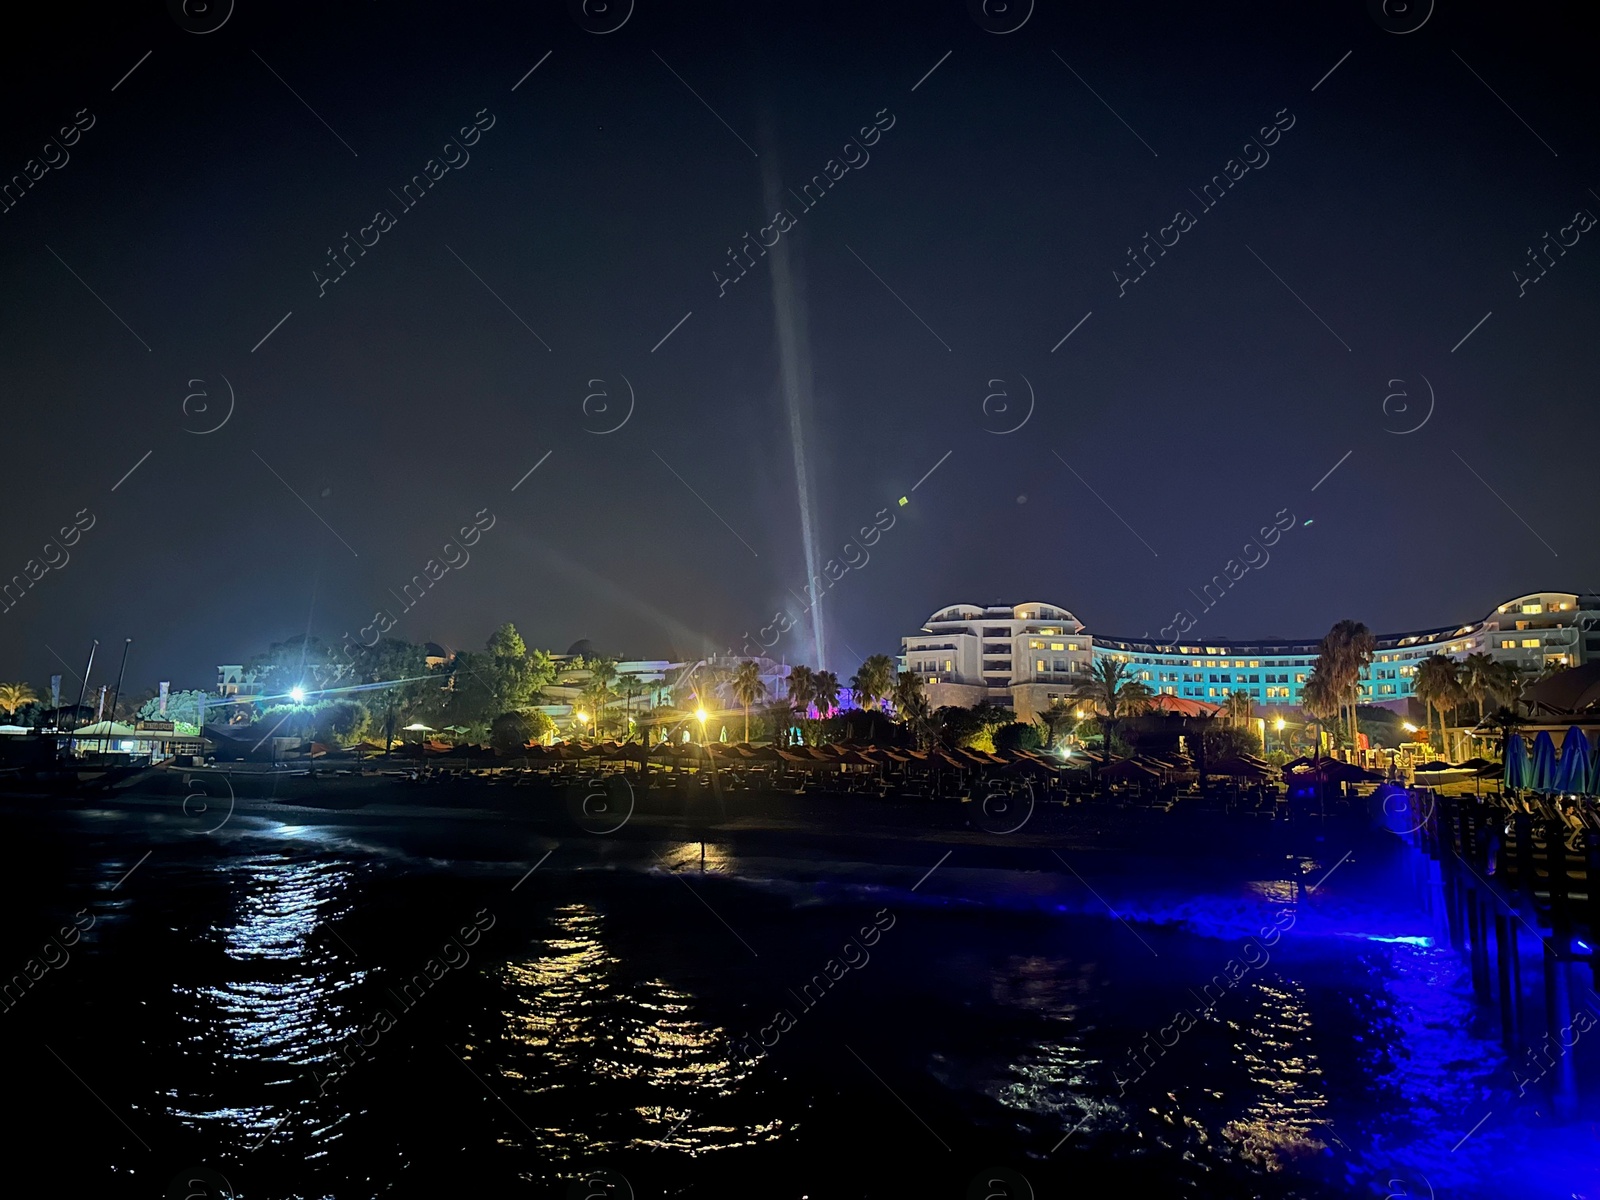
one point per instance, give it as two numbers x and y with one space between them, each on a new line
595 203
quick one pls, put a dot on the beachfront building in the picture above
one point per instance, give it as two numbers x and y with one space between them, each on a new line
1022 656
640 685
1025 657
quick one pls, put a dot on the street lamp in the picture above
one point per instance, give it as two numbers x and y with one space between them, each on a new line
1278 725
297 694
700 715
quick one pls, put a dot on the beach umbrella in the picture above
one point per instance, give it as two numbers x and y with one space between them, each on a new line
1239 768
1516 776
1542 770
1572 775
1127 769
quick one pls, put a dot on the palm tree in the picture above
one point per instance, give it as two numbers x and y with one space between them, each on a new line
1240 709
1438 686
1505 722
14 696
748 689
1476 677
1345 652
1057 717
802 688
595 694
907 691
872 684
911 703
825 692
1319 698
1505 684
1115 694
632 686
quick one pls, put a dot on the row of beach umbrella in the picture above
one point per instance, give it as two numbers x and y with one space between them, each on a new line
1574 770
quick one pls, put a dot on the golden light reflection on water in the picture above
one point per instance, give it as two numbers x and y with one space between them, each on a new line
1289 1104
278 1009
573 1022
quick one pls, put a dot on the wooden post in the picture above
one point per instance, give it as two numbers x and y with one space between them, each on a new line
1558 1018
1505 942
1478 927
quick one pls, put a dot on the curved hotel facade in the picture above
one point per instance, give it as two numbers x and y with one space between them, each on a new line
1027 655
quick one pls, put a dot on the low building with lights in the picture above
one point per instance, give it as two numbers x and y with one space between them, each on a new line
1026 656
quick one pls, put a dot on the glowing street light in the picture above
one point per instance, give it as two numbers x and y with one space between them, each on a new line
297 694
583 717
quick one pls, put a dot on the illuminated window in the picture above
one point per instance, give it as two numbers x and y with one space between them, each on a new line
1300 678
947 664
1072 645
1058 646
1530 643
1255 662
1035 644
1041 664
1533 608
1508 643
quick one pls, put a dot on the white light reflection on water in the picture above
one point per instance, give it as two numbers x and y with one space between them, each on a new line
656 1076
276 1012
1274 1046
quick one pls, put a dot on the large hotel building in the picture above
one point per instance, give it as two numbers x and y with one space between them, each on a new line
1028 655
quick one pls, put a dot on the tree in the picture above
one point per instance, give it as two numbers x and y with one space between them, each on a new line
911 704
1505 684
802 688
779 714
504 677
300 662
1114 694
1438 686
1059 718
602 674
1017 736
596 695
1475 675
1240 708
973 728
1229 741
511 732
182 707
1344 653
748 688
872 684
825 694
338 723
632 685
14 696
1319 697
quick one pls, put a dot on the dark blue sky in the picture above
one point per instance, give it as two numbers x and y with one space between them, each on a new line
606 193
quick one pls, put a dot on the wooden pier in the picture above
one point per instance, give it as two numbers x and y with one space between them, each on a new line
1496 869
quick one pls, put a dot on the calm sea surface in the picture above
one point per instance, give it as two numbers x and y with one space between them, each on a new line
316 1011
